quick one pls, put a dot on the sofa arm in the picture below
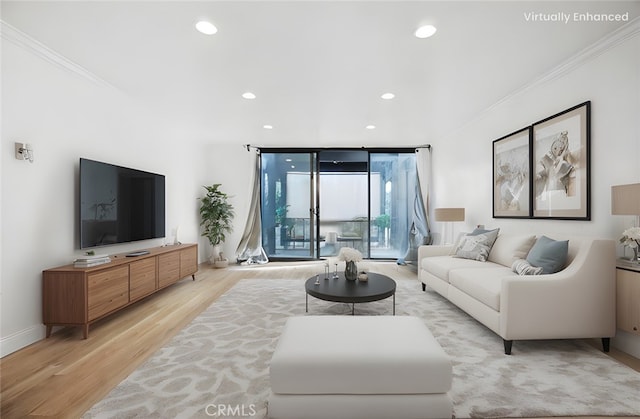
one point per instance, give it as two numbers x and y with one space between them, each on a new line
578 301
430 250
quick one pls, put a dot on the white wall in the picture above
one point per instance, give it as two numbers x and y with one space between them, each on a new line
66 116
611 81
232 166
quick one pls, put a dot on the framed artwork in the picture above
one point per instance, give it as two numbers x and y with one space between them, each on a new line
561 165
511 175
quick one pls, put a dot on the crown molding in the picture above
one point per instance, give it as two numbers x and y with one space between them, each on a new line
27 43
606 43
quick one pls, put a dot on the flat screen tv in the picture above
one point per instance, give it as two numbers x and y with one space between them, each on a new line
119 205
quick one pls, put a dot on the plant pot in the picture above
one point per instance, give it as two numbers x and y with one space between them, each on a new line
221 263
215 254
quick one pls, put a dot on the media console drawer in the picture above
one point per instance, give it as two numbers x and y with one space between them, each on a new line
80 296
143 278
107 290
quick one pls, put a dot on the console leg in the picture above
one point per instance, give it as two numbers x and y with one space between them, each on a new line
606 343
49 328
193 277
507 346
424 286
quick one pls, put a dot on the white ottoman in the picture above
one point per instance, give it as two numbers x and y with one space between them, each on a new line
347 367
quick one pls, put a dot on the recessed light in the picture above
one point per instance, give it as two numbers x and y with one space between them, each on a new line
288 160
370 127
248 95
388 96
206 28
425 31
292 166
267 126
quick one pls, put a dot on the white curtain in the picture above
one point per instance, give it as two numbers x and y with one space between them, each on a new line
419 231
250 249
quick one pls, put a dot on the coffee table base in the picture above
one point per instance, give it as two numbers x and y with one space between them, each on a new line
306 308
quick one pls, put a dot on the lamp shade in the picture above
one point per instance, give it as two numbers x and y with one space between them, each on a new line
449 214
625 199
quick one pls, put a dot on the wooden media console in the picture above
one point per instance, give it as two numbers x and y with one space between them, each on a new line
81 296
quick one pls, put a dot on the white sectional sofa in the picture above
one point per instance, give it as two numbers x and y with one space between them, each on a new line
576 302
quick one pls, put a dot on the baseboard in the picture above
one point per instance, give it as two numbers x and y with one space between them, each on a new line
21 339
626 342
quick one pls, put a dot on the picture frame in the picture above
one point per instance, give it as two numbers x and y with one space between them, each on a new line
512 175
561 165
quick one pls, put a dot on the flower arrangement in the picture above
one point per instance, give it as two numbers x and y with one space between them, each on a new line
349 254
631 237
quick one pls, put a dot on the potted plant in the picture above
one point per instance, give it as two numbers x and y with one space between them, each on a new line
216 213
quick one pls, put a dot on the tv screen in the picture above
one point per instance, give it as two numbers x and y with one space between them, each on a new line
119 205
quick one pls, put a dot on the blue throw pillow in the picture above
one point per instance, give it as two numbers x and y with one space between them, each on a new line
549 254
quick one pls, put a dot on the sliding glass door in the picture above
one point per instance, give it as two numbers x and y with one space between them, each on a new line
344 201
316 202
393 180
289 205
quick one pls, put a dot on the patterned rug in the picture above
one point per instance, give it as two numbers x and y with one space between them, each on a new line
218 366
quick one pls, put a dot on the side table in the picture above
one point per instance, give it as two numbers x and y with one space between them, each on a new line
628 296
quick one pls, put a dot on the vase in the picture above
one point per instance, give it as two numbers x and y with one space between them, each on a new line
351 271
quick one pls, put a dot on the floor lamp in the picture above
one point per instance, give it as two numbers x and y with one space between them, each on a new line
448 216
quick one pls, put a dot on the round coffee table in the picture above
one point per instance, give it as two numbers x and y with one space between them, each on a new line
339 290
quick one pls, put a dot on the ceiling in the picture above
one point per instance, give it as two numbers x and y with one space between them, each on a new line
317 68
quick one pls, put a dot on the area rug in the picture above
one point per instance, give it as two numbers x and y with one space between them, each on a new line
218 366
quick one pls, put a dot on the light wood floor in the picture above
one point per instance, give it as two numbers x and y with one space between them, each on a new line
64 376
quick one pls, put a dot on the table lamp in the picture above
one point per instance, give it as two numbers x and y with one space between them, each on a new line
625 200
448 216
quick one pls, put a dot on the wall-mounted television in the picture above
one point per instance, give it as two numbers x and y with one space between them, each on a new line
119 205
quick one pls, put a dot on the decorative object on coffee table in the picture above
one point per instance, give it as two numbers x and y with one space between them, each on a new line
350 256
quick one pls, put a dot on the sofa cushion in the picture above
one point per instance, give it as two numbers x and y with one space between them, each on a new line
509 247
482 284
440 266
477 246
549 254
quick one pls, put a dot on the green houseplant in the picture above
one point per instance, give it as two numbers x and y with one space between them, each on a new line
216 213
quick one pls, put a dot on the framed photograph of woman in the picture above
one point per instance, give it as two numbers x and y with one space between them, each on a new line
511 175
561 165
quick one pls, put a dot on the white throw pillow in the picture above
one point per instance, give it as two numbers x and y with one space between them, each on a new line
509 247
522 267
477 246
454 249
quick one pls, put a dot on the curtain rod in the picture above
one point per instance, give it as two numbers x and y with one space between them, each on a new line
258 148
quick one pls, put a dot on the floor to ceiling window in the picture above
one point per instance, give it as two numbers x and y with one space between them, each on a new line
391 212
288 204
315 202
